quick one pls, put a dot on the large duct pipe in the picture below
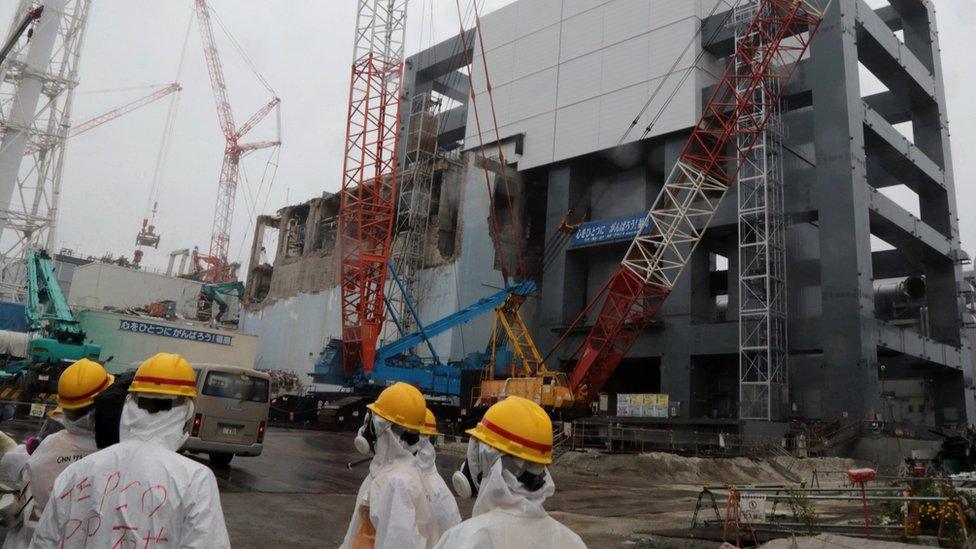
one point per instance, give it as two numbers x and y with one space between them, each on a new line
899 299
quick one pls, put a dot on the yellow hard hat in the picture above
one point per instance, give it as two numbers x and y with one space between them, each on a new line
430 424
401 404
80 383
518 427
165 374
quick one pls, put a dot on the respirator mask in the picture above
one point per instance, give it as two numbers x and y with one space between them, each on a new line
479 460
367 435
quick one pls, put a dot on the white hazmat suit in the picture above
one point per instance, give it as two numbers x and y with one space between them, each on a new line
393 506
55 453
508 515
442 499
137 493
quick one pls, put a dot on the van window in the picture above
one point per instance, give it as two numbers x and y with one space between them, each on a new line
236 386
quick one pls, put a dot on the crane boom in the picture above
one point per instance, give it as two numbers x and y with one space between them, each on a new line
219 270
707 167
369 178
225 116
108 116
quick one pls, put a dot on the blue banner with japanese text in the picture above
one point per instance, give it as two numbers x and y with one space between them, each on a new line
610 230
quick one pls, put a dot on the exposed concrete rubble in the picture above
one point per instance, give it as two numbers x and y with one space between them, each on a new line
305 261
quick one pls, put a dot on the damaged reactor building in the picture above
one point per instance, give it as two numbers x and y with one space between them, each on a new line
862 292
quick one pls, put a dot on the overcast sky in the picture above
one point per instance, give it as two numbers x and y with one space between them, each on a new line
303 48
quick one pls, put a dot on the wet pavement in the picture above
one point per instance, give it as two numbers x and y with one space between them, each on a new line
299 493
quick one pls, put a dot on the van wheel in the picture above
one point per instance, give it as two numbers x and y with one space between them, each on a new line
220 460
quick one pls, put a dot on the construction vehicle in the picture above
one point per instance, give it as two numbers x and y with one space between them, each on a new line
215 294
521 371
446 382
57 337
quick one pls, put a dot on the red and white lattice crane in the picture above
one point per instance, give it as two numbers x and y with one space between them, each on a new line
108 116
369 177
217 259
779 34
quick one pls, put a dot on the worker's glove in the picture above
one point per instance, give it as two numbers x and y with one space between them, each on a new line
6 443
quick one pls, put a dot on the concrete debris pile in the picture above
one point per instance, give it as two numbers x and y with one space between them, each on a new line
671 468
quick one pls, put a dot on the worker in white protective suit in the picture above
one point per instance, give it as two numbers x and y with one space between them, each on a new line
140 492
78 386
506 469
393 506
13 458
442 499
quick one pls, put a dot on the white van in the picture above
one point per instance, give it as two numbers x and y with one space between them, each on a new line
230 412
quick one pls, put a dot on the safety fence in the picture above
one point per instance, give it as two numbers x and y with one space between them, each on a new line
628 438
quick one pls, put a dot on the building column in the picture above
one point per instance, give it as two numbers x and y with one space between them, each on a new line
564 286
850 374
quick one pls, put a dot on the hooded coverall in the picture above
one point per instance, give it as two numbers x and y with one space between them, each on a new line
507 515
137 493
393 507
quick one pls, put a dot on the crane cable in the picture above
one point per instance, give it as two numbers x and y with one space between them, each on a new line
241 52
560 239
162 155
251 199
557 242
493 220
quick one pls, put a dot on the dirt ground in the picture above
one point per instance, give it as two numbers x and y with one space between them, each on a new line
300 493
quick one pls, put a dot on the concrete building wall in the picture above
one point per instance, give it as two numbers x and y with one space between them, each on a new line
571 74
98 285
129 340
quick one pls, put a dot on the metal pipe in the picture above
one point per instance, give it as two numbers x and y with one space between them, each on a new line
892 295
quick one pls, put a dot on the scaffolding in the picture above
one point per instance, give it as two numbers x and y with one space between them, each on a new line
414 205
763 375
37 84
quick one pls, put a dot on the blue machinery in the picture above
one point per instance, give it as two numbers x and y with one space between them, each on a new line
396 361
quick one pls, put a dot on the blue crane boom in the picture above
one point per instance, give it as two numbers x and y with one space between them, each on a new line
394 361
434 329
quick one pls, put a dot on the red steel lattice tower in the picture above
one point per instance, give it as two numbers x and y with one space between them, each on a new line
780 33
369 177
219 267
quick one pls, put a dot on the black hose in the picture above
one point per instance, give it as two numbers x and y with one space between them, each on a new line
354 464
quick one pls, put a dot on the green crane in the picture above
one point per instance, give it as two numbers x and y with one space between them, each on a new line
59 336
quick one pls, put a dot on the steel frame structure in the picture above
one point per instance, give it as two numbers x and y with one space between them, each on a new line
414 204
368 198
217 259
725 135
37 87
763 352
